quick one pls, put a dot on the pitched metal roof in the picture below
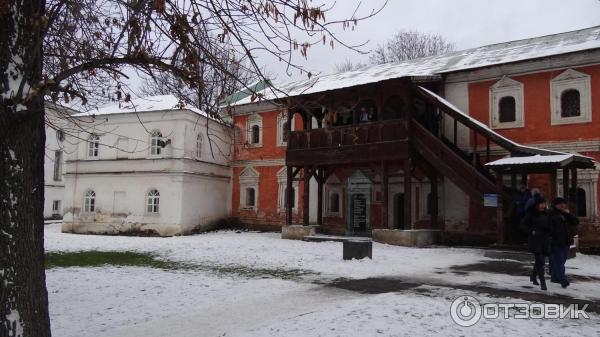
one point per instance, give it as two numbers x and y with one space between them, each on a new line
485 56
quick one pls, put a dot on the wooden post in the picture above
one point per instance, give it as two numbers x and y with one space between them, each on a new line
320 181
513 181
455 131
553 189
487 151
306 202
565 179
500 209
474 148
408 194
384 191
574 189
288 196
434 200
524 179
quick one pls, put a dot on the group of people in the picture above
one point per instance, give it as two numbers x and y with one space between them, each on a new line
550 233
346 116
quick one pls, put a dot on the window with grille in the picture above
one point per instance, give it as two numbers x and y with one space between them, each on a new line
89 204
93 145
153 201
156 143
57 165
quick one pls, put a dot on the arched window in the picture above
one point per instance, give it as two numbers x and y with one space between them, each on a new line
153 201
570 103
250 197
156 143
394 108
507 109
255 134
93 145
334 202
89 202
199 140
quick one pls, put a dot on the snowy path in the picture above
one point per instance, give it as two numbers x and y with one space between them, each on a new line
128 301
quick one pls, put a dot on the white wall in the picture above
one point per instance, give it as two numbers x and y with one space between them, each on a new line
54 189
194 191
455 200
457 94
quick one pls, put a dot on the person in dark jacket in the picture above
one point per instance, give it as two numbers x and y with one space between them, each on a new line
563 231
537 224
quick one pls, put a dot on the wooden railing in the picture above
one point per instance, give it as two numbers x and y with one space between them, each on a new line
350 135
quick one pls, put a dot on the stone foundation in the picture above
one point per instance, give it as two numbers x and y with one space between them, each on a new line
297 232
408 238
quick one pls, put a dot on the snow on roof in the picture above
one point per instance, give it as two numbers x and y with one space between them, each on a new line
145 104
485 56
537 159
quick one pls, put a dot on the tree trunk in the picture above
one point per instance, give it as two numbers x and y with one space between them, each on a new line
23 296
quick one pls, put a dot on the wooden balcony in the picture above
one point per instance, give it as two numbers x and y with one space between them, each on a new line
360 143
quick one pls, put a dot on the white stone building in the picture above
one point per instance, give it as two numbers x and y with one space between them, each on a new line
54 159
151 166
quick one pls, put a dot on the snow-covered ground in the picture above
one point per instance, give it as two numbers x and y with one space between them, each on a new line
134 301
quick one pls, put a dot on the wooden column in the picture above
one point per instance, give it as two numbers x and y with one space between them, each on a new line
575 200
288 196
474 148
320 182
553 189
455 135
384 191
500 209
565 178
434 200
306 199
408 194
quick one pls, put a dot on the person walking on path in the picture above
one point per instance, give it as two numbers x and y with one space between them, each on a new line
537 224
563 231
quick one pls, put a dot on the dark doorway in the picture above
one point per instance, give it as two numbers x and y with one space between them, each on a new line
399 211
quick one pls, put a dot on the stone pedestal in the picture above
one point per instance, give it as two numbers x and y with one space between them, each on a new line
358 249
409 238
297 232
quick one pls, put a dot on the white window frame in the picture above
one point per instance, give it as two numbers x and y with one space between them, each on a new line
506 87
199 144
56 207
155 138
255 120
249 178
282 183
93 146
333 185
89 201
153 202
571 79
281 119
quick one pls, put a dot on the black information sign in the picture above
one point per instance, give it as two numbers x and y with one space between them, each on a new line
359 211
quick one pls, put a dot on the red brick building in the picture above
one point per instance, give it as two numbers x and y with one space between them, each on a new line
408 158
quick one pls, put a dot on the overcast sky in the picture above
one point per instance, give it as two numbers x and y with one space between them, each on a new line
467 23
